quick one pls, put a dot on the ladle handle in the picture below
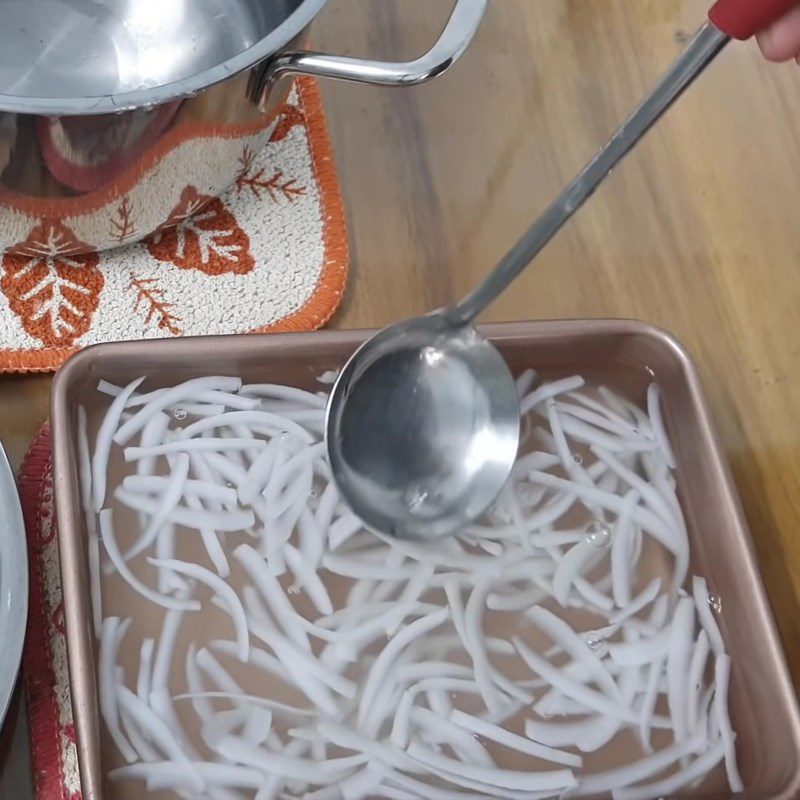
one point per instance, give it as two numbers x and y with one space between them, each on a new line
737 19
705 46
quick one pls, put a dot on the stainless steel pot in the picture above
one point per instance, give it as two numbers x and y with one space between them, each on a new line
112 110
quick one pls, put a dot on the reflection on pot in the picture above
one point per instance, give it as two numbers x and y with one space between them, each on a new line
114 179
87 153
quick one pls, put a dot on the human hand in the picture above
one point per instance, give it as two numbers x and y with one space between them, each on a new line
781 40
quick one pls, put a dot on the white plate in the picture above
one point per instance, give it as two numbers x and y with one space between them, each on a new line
13 583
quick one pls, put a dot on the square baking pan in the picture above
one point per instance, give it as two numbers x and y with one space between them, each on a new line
624 355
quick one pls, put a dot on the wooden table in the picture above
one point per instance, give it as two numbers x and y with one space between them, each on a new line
697 232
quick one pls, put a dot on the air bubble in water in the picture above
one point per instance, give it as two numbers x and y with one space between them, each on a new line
598 534
285 436
593 640
294 589
180 414
577 459
312 493
715 601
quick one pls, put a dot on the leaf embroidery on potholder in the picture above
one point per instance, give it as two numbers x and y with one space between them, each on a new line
211 240
290 117
54 292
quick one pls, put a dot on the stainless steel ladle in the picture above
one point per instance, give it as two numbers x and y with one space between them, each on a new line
423 421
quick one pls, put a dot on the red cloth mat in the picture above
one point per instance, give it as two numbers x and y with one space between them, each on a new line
44 662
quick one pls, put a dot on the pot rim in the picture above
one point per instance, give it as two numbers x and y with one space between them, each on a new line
278 38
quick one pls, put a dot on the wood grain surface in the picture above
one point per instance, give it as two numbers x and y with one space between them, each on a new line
696 232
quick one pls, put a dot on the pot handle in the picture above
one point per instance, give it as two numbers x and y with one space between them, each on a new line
458 33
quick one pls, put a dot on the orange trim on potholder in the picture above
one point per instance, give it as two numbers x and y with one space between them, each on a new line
317 308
